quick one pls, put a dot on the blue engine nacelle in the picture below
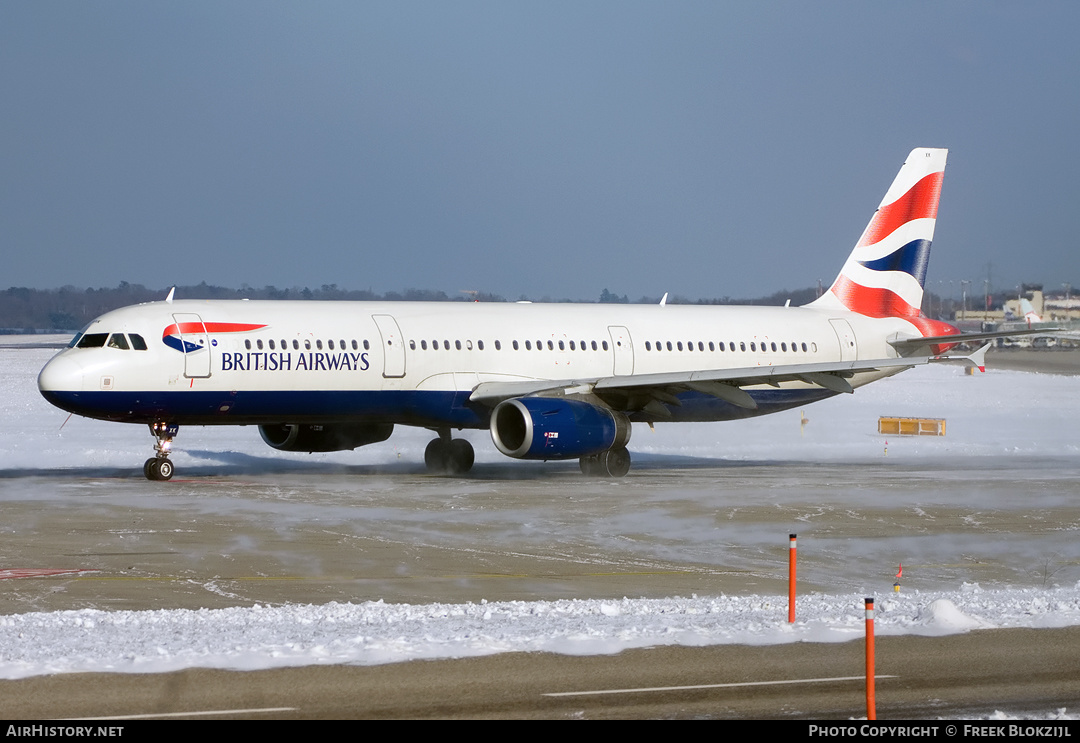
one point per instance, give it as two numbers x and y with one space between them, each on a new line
556 428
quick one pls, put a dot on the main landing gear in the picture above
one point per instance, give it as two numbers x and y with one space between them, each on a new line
610 463
158 467
447 456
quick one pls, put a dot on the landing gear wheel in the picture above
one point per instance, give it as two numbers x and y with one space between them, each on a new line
437 456
461 457
615 462
449 457
164 469
158 468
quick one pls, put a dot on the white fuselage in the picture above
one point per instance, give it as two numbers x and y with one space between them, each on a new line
238 362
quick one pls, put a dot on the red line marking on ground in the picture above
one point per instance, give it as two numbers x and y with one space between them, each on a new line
39 572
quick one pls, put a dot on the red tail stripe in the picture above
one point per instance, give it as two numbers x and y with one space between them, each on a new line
872 302
920 202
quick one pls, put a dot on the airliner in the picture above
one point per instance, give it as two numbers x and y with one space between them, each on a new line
550 381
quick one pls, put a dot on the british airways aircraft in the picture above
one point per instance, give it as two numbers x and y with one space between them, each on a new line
550 381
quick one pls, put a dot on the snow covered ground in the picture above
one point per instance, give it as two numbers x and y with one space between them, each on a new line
999 419
248 638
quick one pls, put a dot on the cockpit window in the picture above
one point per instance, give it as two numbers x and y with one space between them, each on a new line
138 343
92 340
117 340
75 340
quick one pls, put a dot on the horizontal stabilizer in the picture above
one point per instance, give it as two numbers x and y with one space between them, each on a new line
935 340
976 359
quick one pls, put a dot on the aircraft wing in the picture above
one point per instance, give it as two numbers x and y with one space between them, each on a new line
649 391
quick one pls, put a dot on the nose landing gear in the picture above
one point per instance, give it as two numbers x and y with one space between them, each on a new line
159 467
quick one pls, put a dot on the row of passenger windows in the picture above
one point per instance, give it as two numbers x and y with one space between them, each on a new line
109 340
528 345
753 346
307 343
551 345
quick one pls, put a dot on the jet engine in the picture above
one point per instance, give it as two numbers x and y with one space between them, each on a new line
556 428
311 437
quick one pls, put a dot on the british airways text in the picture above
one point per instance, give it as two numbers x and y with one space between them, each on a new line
255 361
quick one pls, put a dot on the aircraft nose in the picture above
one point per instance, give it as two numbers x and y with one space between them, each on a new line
61 374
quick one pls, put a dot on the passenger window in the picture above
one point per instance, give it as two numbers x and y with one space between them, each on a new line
137 342
318 344
367 347
572 346
679 345
258 344
423 345
117 340
515 344
457 345
480 345
412 345
330 345
446 345
711 347
594 345
604 344
648 346
296 345
528 345
247 343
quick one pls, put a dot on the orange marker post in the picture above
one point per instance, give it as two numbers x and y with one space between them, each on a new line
791 581
871 713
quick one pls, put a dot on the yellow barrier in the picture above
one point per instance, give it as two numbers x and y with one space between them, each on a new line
911 426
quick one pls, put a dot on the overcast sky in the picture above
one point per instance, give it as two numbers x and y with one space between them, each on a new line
528 148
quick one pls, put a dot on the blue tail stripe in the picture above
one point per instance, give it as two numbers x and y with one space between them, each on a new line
912 258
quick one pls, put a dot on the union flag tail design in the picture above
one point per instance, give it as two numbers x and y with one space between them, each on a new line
884 275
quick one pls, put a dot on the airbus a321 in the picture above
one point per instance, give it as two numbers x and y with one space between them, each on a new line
550 381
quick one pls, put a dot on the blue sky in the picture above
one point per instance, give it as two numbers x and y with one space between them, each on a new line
540 149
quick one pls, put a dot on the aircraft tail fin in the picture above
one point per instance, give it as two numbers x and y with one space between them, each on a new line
1029 312
885 273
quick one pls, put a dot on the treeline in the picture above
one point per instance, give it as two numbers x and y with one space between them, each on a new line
70 308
